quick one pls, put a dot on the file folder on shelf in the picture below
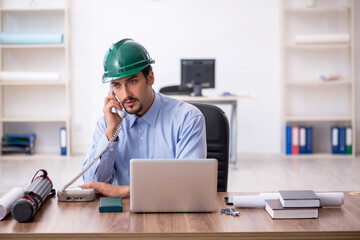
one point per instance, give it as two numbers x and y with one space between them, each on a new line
295 140
63 142
349 141
335 140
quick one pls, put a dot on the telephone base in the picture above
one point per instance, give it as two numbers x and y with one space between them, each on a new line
76 195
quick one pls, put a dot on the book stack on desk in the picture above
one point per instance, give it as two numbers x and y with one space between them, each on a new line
18 143
293 204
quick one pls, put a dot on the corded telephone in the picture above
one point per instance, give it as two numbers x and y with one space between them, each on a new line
81 194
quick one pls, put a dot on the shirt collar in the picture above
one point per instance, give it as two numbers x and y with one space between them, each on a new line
151 115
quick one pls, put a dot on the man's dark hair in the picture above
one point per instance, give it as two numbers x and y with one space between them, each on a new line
146 71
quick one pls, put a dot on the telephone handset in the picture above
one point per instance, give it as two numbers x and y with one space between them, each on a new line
119 112
80 194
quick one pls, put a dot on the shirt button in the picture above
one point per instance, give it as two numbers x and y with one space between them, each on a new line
142 138
112 149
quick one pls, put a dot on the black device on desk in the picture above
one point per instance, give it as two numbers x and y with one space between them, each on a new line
196 74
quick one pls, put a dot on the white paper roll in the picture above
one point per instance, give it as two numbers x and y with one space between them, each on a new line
8 199
29 76
335 199
323 38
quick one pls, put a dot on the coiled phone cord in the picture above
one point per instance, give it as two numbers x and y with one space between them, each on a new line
94 160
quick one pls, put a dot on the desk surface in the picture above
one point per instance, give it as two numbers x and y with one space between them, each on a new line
75 220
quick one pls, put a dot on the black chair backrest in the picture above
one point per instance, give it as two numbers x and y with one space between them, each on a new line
217 138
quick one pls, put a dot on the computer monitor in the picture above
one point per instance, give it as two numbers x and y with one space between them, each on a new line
197 74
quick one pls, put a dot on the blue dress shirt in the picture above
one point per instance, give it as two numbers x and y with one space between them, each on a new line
169 129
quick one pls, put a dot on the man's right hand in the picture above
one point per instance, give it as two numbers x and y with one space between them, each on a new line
113 120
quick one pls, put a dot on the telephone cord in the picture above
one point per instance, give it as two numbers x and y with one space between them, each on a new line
94 160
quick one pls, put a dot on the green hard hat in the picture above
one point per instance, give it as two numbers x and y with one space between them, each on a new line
125 58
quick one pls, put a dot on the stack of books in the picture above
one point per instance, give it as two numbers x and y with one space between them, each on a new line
18 143
341 140
293 204
299 140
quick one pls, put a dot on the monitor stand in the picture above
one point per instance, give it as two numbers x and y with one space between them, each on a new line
197 90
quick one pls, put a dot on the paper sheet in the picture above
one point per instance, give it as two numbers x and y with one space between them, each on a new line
29 76
335 199
8 199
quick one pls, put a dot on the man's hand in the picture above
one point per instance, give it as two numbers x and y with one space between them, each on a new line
112 119
108 190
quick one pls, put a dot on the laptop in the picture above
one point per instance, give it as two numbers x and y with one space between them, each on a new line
173 185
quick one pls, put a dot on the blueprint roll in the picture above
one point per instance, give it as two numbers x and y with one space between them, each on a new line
8 199
31 38
253 201
333 199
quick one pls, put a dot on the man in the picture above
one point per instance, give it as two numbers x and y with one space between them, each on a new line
155 126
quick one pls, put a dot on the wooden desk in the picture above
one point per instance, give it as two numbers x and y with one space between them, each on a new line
232 100
58 220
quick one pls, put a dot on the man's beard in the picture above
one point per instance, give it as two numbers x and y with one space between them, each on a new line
132 110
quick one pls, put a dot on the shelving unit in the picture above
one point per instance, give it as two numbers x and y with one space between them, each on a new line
306 99
36 106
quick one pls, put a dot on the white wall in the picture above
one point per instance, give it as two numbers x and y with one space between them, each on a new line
243 36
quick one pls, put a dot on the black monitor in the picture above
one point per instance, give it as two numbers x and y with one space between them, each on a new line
197 74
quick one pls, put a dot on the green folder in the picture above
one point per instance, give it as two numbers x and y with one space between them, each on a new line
349 140
110 204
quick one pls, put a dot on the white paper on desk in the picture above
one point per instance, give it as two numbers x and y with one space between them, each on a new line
322 38
29 76
8 199
335 199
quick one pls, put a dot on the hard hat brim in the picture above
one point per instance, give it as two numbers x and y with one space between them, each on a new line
106 79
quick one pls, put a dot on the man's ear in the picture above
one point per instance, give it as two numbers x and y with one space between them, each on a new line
151 78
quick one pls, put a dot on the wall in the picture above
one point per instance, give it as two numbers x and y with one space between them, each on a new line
243 36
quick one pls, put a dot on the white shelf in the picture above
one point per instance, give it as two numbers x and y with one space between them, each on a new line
306 99
24 83
34 119
62 45
317 118
31 9
36 104
318 82
14 157
319 45
318 155
317 9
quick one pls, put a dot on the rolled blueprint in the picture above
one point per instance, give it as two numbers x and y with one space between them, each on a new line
29 76
335 199
323 38
30 38
8 199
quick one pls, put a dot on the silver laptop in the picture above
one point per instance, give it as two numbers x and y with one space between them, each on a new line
173 185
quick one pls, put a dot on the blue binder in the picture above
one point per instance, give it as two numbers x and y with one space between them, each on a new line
288 139
63 142
342 140
309 140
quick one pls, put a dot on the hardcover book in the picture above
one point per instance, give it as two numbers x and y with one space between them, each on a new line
299 198
277 211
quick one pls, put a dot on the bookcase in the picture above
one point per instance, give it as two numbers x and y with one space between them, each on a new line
35 73
317 59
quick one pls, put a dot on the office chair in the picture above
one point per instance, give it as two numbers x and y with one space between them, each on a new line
217 139
175 90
